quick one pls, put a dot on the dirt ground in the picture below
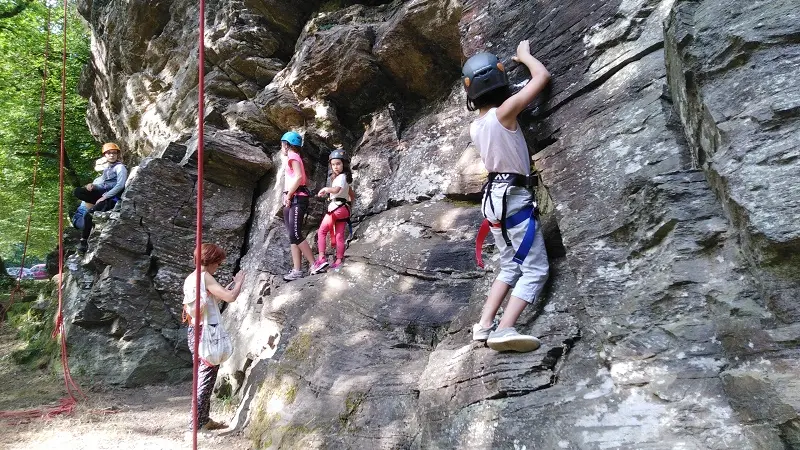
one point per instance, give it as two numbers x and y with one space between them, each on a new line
151 417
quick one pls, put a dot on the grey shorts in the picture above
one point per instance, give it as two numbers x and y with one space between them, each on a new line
528 278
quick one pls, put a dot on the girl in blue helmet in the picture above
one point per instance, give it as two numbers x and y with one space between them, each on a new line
508 201
295 203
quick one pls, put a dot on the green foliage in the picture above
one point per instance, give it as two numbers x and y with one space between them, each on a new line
23 35
299 348
34 326
278 390
352 403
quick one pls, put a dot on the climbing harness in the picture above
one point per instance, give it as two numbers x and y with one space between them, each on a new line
341 203
531 212
301 190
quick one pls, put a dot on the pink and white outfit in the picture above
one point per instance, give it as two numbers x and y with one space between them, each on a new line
336 218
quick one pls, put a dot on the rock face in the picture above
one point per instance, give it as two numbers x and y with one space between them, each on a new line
736 85
666 149
123 305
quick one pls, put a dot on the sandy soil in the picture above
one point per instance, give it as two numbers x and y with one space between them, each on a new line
152 417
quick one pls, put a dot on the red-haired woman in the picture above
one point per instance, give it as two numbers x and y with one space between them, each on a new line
211 257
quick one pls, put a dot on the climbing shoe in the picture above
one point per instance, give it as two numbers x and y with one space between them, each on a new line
293 275
212 425
83 246
479 333
319 266
507 339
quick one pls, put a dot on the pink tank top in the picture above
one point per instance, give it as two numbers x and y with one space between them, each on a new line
291 174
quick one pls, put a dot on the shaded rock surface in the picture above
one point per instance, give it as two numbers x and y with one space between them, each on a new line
123 309
665 146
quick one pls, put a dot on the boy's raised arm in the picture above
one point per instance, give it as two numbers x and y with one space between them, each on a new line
507 112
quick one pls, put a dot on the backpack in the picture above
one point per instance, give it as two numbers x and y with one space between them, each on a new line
77 218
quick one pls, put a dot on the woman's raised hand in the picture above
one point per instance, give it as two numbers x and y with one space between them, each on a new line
239 277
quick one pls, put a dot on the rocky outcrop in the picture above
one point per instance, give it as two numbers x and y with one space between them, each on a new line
668 320
123 313
736 86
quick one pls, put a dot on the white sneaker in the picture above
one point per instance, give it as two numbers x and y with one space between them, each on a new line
508 339
293 275
479 333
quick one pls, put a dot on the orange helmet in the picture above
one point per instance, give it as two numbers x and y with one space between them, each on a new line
110 146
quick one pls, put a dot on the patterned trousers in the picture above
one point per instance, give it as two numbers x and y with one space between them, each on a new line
206 377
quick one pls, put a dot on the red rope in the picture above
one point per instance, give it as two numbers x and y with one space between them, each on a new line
67 404
199 217
59 328
42 96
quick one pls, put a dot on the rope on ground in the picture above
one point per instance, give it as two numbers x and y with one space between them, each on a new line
199 217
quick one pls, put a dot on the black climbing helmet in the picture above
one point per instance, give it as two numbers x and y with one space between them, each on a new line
337 154
483 73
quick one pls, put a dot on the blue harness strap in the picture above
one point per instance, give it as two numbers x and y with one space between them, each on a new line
516 219
527 241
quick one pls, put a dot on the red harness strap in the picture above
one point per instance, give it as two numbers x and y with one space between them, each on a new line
482 232
347 219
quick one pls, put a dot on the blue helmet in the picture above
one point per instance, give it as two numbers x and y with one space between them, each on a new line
292 138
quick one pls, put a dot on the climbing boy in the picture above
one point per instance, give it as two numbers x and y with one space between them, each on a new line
102 193
508 201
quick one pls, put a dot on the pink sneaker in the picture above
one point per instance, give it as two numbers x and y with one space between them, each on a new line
319 266
337 265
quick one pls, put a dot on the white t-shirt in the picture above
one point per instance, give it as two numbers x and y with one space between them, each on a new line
344 192
501 149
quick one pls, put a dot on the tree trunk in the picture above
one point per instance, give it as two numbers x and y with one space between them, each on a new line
4 277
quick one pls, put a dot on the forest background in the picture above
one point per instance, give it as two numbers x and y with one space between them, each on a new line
23 39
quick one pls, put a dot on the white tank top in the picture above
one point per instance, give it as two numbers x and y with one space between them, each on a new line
211 315
501 149
344 192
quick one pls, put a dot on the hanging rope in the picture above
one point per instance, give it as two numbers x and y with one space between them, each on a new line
67 404
59 330
199 217
17 289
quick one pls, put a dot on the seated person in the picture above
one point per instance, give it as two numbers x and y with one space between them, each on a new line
102 193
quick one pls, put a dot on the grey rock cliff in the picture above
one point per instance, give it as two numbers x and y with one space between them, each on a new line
666 149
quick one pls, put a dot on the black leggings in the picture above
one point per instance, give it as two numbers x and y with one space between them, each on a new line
294 216
206 377
88 196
